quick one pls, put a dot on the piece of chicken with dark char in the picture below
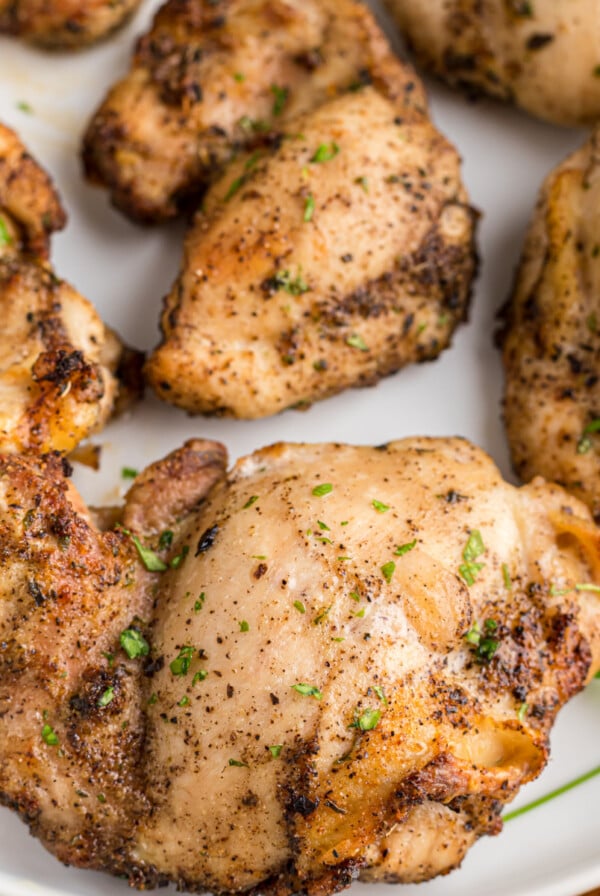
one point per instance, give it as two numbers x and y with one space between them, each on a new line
320 262
208 78
330 662
62 371
63 24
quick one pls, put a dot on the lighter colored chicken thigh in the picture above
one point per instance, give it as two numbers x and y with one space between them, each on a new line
330 662
551 338
325 261
542 55
60 366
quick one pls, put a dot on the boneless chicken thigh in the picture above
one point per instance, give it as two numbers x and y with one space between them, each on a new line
63 24
62 371
330 662
551 333
541 55
208 78
326 260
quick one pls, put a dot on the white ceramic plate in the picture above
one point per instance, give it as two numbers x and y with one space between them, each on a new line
125 270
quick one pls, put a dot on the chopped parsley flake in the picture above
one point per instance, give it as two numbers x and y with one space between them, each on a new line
307 690
325 488
325 152
485 645
24 106
363 182
128 473
134 644
585 443
238 76
107 697
355 340
178 559
152 699
199 603
321 615
309 207
388 569
506 577
238 764
473 549
294 286
49 736
201 675
585 586
379 691
380 507
181 664
244 626
252 500
355 596
403 549
323 526
523 710
360 614
367 720
165 540
5 237
300 606
280 98
185 701
275 750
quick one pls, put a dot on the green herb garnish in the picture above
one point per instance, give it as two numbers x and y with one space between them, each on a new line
325 488
355 340
388 569
485 645
165 540
181 664
473 549
238 764
552 795
281 95
300 606
325 152
403 549
379 506
367 720
309 207
199 602
49 736
252 500
244 626
199 676
134 644
107 697
275 750
307 690
129 473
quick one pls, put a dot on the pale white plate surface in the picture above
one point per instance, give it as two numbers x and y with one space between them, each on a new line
125 270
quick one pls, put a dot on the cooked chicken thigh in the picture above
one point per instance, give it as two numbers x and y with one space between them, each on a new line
59 364
332 662
542 55
551 340
209 77
63 24
324 261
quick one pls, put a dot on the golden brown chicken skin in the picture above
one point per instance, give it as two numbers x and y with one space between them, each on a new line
63 24
551 338
60 366
327 260
209 78
330 662
541 55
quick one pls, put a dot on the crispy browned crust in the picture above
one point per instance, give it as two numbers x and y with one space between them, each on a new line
62 373
29 203
182 479
64 24
164 132
551 334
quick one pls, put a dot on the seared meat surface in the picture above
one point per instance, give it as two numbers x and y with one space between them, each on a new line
542 55
59 364
350 661
324 261
208 78
551 340
63 24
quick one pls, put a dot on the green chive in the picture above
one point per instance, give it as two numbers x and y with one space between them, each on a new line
238 764
252 500
403 549
380 507
325 152
325 488
309 207
552 795
368 719
300 606
129 473
181 664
